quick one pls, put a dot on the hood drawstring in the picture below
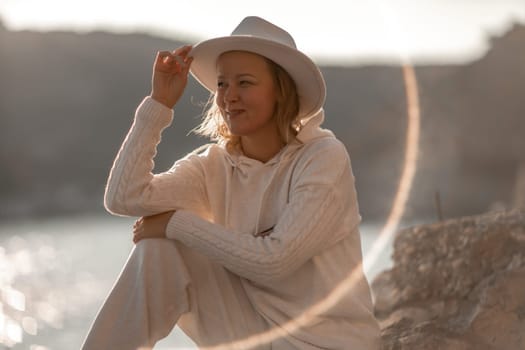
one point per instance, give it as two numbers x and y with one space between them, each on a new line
309 130
238 164
279 162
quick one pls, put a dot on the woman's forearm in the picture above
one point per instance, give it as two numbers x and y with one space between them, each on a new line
131 173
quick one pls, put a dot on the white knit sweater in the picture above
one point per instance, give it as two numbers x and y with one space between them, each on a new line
304 198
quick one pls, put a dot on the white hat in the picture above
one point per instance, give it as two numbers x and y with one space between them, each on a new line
256 35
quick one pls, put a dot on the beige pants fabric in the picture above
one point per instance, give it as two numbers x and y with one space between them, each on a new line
164 283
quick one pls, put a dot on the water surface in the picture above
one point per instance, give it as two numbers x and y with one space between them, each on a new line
55 273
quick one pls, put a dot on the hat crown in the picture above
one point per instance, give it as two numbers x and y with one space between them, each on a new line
257 27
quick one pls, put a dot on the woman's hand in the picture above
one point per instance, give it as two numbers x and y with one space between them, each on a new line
151 226
170 75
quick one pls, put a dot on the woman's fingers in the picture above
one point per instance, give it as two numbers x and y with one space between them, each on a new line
151 226
136 238
174 61
138 222
170 73
162 56
182 51
187 66
180 55
137 229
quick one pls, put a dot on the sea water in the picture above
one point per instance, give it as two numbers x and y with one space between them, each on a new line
55 274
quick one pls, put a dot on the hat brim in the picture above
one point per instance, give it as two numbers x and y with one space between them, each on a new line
310 84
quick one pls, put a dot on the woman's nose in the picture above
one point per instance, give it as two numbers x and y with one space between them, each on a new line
231 94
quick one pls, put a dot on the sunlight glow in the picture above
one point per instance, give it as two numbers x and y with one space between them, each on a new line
334 32
30 325
50 314
10 330
38 347
14 298
367 29
13 332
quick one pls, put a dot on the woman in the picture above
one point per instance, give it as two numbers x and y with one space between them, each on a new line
244 237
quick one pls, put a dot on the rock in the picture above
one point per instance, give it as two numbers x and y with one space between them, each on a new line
457 284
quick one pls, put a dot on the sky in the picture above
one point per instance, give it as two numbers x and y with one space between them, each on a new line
328 30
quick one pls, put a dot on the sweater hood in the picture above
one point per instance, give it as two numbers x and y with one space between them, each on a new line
310 128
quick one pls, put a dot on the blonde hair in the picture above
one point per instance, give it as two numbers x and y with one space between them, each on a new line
286 110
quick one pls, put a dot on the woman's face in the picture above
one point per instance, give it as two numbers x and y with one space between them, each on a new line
246 93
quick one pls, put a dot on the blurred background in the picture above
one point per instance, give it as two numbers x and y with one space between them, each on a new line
72 74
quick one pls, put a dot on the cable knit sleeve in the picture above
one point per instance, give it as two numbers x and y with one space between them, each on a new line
322 209
132 188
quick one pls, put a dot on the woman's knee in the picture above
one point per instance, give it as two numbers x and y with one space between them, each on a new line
154 243
155 248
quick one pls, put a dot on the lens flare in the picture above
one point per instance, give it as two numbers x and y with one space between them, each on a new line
396 213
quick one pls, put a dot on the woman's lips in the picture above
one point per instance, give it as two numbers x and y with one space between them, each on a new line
235 112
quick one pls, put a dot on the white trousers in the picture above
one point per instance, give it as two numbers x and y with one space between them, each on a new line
164 283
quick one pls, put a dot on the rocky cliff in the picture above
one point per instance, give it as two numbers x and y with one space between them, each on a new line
456 285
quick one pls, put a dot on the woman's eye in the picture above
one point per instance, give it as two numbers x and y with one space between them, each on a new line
220 84
245 82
